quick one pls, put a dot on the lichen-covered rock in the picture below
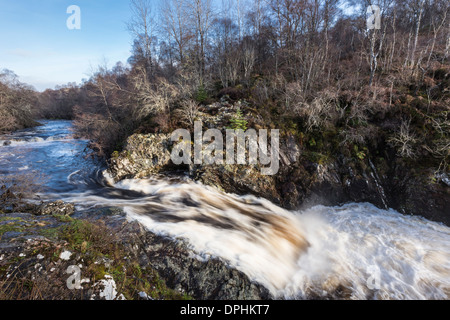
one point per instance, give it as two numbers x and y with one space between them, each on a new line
56 208
142 156
146 155
238 179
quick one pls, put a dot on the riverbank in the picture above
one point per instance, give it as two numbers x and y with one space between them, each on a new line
43 256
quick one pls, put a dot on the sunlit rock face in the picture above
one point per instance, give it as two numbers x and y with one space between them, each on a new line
143 155
300 182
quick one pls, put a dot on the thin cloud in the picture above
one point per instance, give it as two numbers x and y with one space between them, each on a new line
20 53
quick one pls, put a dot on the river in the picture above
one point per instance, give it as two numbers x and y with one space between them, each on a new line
358 249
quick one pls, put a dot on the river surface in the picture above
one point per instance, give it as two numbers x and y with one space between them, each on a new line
357 250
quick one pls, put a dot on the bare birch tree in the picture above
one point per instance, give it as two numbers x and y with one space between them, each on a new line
175 21
143 26
201 13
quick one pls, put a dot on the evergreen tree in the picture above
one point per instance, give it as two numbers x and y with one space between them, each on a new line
238 121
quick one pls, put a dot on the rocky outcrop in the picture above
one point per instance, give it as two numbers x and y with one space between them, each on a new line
418 191
384 182
143 155
43 252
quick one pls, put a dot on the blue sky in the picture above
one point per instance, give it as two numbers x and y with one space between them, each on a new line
36 44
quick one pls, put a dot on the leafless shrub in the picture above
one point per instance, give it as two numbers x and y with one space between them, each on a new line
269 88
188 83
294 95
188 112
319 112
440 148
441 124
404 141
153 98
358 114
16 189
102 132
163 122
7 121
360 135
360 108
260 93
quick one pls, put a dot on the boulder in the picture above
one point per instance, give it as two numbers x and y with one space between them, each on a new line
56 208
142 156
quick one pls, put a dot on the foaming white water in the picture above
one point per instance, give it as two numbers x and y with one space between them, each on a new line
33 140
355 252
371 253
252 235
